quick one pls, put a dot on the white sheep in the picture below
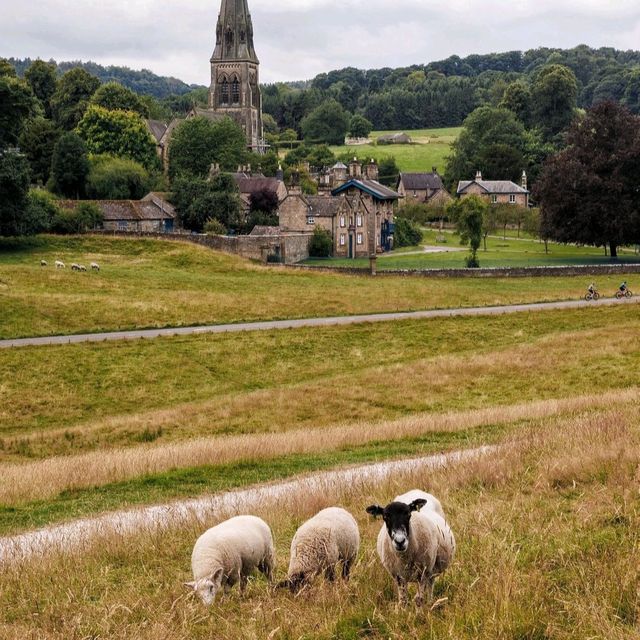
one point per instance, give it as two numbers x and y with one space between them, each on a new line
75 267
60 264
330 537
82 267
95 266
414 545
43 263
416 494
229 553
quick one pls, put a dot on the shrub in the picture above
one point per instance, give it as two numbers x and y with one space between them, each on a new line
321 244
117 179
214 227
84 217
407 234
41 211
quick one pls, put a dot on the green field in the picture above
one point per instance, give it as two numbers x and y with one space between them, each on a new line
430 149
145 283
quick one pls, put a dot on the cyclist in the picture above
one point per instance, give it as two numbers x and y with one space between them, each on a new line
591 288
623 287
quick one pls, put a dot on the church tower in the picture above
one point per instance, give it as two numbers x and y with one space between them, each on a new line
234 72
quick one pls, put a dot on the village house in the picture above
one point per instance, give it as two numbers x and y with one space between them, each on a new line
358 212
496 191
423 188
250 183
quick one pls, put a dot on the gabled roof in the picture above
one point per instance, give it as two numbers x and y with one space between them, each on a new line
249 185
323 206
372 187
157 128
132 210
339 165
492 186
420 181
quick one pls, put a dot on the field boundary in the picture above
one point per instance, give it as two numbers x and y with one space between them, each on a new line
276 325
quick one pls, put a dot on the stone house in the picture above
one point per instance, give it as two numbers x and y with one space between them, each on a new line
250 183
394 138
496 191
423 188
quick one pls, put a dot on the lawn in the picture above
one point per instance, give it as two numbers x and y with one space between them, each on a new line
501 252
547 534
430 149
146 283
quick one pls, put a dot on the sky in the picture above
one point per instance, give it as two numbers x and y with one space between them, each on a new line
297 39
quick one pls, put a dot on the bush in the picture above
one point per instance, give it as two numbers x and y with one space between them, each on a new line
321 244
41 211
407 234
84 217
214 227
117 179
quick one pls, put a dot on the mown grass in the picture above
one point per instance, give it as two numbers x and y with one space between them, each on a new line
509 252
430 148
547 531
59 400
146 283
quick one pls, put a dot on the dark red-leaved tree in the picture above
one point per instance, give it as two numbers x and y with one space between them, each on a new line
590 192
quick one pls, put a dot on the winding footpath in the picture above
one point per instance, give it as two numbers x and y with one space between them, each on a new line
150 334
75 535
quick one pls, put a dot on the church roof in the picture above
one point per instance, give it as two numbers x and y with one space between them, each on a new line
234 33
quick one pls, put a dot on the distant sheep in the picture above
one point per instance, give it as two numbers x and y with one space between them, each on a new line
414 545
43 263
229 553
75 267
95 266
59 264
82 267
329 538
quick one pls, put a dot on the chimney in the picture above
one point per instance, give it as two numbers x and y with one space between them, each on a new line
280 173
372 172
355 168
478 176
524 180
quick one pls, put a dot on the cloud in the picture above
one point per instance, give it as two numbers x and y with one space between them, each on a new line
296 39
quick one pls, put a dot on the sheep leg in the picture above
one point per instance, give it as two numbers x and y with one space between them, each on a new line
424 585
243 583
330 573
403 596
346 569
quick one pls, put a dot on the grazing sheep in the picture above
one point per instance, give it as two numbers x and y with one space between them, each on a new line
95 266
75 267
43 263
414 545
228 553
82 267
59 264
330 537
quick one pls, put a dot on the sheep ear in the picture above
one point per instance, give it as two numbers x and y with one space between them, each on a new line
190 585
375 510
216 576
416 505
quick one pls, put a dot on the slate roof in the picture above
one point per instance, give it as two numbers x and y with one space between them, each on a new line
131 210
261 230
157 128
215 116
253 184
323 206
421 181
492 186
372 187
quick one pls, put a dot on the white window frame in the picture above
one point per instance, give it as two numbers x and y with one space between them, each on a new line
359 220
359 239
343 239
343 222
494 199
512 199
311 220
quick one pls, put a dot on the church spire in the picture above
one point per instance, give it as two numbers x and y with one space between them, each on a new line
234 33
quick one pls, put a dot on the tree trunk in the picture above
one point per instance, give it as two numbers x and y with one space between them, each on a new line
546 246
614 250
485 241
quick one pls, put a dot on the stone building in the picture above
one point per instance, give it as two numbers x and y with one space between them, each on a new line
358 212
423 188
496 191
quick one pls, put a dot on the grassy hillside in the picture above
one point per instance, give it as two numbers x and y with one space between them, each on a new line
430 149
145 283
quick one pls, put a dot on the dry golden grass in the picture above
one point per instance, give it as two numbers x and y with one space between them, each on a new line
22 482
546 550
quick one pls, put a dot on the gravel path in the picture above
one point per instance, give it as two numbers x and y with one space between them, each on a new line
308 322
79 533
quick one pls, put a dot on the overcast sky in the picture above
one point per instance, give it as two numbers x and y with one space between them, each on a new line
297 39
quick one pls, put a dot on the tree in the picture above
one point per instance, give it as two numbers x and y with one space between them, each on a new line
269 124
360 127
327 123
118 133
37 141
265 200
117 179
41 211
115 97
469 215
588 193
41 77
199 142
388 171
71 97
14 187
489 223
554 97
7 70
517 98
69 166
83 218
17 104
407 233
321 243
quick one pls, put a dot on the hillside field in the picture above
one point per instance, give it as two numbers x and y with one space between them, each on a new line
429 149
546 521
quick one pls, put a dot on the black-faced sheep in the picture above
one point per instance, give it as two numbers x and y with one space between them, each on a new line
415 544
75 267
229 553
43 263
82 267
320 544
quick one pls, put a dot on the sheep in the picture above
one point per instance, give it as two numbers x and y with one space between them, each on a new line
81 267
228 553
417 494
43 263
414 545
75 267
95 266
60 264
330 537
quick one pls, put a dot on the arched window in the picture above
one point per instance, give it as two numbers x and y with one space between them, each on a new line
235 91
224 92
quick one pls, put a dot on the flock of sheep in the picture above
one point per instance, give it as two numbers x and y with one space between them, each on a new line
415 544
74 267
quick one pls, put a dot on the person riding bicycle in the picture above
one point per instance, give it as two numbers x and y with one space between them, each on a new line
591 288
623 287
